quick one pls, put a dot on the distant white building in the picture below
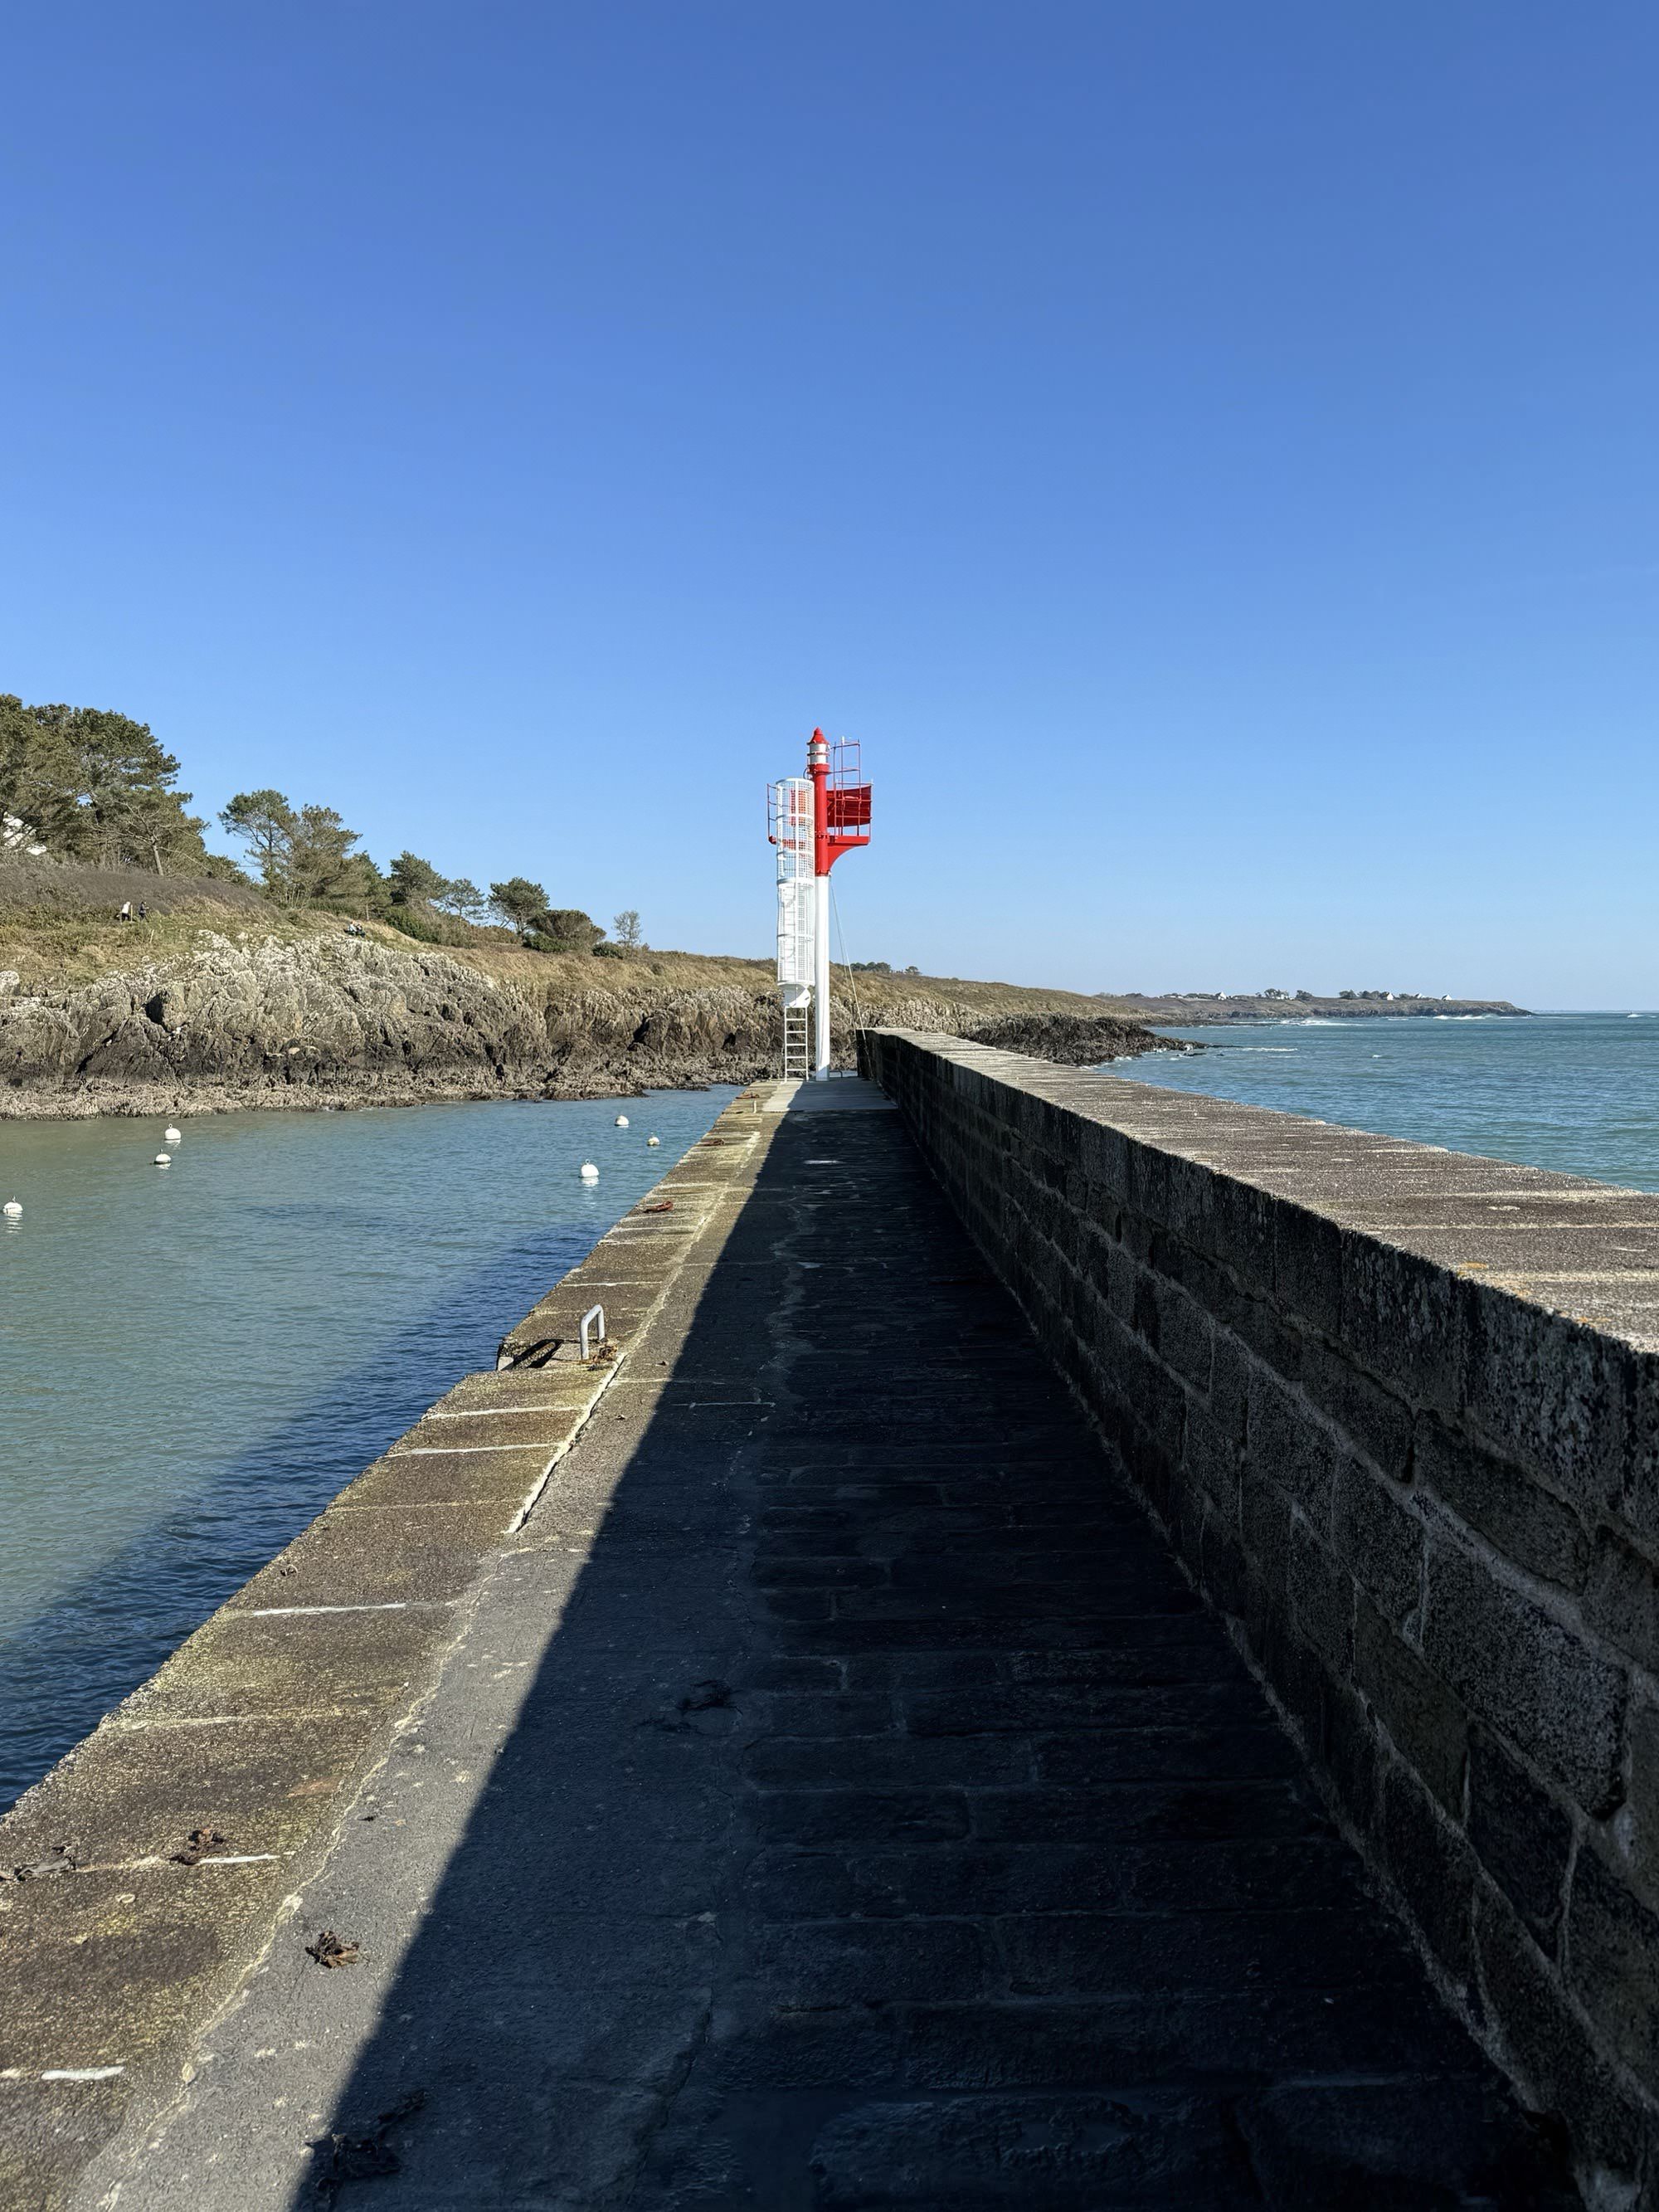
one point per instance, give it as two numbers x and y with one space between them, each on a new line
17 840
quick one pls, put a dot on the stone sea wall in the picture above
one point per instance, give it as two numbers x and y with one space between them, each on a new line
1398 1409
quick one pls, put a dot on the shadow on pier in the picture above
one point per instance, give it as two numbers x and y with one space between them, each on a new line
886 1824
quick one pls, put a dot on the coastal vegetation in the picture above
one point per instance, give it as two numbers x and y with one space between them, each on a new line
88 785
85 783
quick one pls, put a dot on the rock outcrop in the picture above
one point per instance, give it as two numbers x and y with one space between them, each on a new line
324 1020
1074 1040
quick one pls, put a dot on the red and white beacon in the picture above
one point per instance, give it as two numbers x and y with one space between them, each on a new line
812 819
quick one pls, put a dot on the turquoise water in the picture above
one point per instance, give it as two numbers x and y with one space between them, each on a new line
1578 1092
194 1360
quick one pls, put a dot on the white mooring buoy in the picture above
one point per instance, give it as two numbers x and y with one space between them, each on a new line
11 1209
622 1120
164 1159
590 1173
172 1137
654 1140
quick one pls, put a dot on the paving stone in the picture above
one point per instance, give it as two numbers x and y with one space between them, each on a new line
1144 1650
1150 2038
1313 1874
879 1761
1240 1752
827 1716
1201 1810
765 2053
812 1965
1385 2147
847 1816
1065 2153
1090 1954
1024 1709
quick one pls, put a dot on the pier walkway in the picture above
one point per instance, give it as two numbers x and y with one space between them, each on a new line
835 1797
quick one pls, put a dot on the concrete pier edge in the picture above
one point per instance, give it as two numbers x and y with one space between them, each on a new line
146 1874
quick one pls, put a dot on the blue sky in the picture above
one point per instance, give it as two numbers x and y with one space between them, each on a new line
1206 453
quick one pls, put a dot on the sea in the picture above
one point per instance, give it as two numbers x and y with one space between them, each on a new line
195 1358
1577 1092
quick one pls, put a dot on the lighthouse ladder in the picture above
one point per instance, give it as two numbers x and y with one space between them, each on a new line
797 1041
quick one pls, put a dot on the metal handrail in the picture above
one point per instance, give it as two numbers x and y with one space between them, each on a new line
593 1313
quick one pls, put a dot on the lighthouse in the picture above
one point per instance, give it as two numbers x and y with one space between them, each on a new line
812 819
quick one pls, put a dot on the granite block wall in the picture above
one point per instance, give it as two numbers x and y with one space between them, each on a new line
1398 1410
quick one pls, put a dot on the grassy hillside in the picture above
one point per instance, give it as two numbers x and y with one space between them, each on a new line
58 926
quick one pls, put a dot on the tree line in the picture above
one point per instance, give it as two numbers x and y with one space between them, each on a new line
98 787
95 786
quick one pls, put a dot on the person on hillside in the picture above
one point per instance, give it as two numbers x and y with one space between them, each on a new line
143 911
125 913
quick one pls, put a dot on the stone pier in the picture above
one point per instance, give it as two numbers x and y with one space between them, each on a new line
779 1763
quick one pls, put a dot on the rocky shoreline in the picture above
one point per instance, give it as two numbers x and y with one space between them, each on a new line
204 1095
332 1022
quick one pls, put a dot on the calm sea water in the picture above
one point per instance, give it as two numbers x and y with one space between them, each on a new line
194 1360
1578 1092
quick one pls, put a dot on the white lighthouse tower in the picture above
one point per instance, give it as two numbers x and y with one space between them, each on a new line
812 819
789 812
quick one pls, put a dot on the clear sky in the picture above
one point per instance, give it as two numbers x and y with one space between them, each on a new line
1206 451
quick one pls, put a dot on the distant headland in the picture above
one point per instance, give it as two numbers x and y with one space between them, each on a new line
1190 1009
